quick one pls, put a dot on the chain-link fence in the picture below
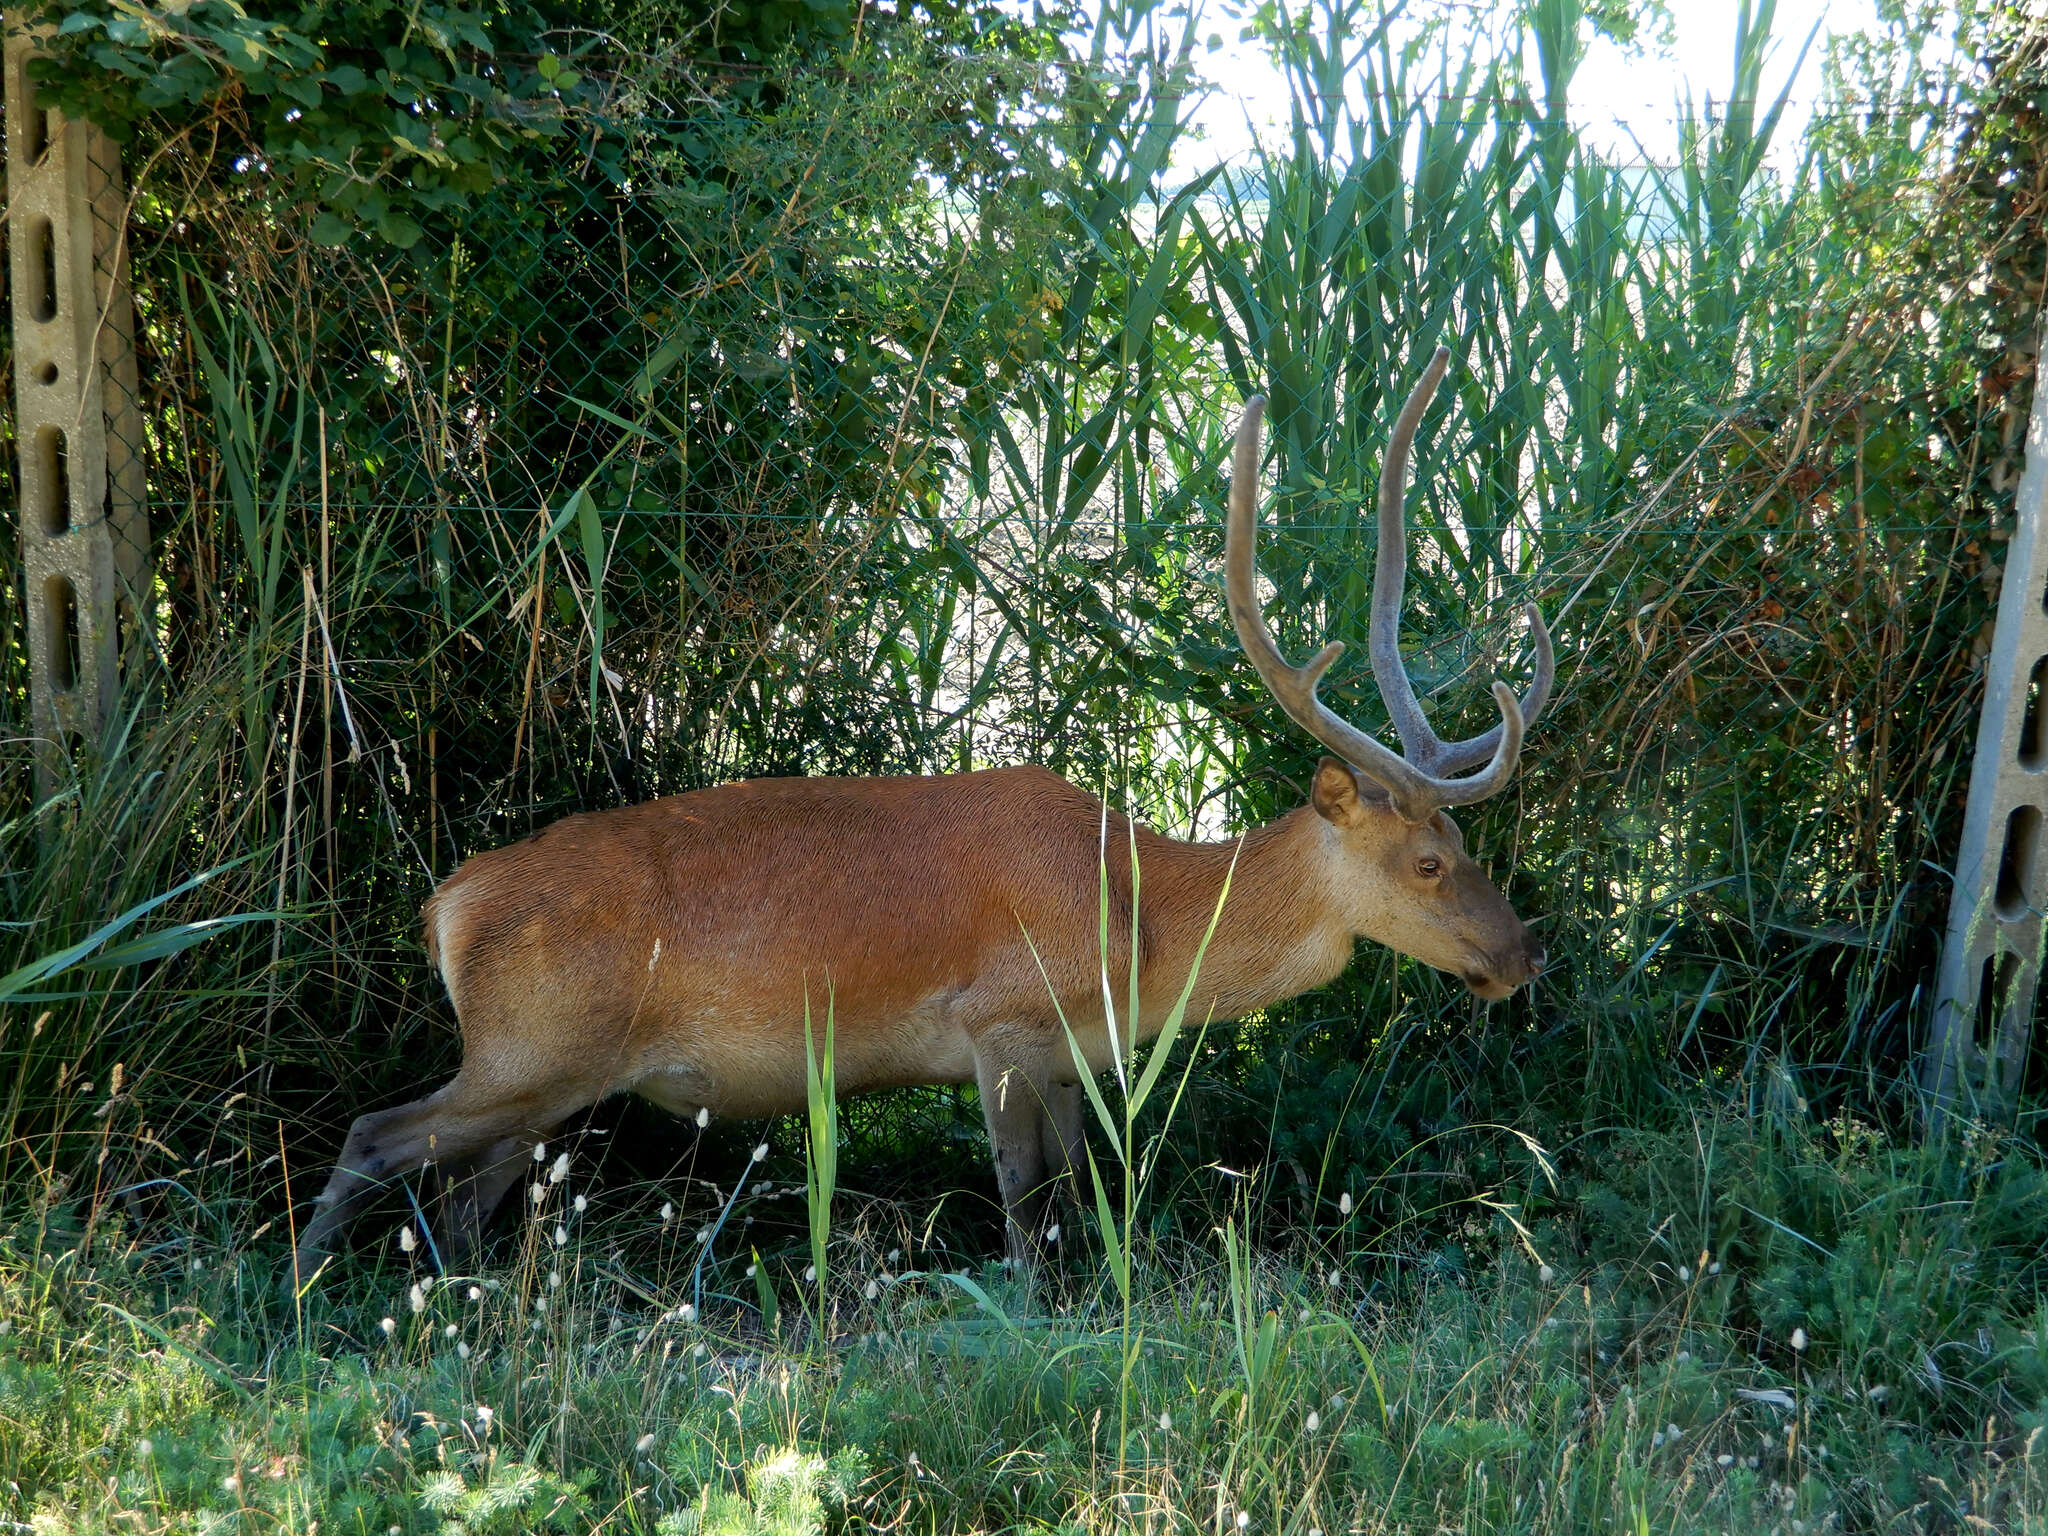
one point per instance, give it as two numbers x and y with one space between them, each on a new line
845 437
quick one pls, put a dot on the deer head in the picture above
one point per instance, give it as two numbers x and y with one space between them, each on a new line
1406 879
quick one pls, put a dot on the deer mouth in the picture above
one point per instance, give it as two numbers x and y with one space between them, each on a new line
1492 988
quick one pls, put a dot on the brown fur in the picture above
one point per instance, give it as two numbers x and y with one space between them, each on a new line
672 949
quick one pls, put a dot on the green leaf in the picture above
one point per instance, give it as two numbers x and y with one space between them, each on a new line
330 228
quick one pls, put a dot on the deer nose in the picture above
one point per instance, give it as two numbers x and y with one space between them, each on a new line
1533 956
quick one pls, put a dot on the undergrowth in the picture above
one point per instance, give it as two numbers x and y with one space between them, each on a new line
1768 1324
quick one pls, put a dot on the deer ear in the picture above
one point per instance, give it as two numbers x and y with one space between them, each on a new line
1340 795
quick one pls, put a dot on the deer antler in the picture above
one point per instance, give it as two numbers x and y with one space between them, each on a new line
1419 744
1419 783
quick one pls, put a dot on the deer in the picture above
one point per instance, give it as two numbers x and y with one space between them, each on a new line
678 949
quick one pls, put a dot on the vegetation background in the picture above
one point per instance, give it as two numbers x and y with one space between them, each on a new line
546 410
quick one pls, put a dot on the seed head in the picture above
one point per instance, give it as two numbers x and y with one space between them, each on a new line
450 1331
389 1325
703 1117
462 1349
1344 1203
581 1204
810 1273
1545 1274
554 1279
539 1192
405 1240
561 1234
871 1290
476 1293
1798 1340
1165 1422
687 1313
417 1298
646 1442
231 1484
540 1151
561 1169
1313 1422
1052 1233
668 1211
144 1450
703 1235
1244 1520
761 1153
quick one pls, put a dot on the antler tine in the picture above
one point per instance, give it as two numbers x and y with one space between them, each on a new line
1295 687
1421 745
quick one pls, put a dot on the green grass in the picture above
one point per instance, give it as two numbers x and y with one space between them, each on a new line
1737 1325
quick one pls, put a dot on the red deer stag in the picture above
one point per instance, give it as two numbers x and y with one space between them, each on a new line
670 949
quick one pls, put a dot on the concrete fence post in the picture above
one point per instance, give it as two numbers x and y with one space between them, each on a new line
78 423
1983 1021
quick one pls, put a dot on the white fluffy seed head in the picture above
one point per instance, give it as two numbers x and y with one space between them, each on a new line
1313 1422
561 1235
646 1442
406 1241
540 1151
1165 1421
687 1313
539 1192
417 1299
871 1290
1052 1233
810 1273
462 1350
560 1171
144 1450
389 1325
704 1117
761 1153
703 1235
450 1331
554 1279
668 1211
1545 1274
1799 1340
582 1203
1344 1203
1244 1520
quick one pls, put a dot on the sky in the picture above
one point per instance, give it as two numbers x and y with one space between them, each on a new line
1620 100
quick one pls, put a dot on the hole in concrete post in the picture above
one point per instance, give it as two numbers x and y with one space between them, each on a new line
54 460
2030 726
42 270
2016 862
1994 995
60 619
46 375
36 126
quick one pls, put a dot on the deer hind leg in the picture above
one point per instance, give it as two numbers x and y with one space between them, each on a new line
471 1192
1012 1104
462 1122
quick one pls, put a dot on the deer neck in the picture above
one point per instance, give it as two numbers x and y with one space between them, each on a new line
1280 932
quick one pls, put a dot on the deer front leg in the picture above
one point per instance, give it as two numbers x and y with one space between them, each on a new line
1011 1104
1064 1139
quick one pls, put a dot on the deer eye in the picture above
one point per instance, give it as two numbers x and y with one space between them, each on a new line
1429 869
